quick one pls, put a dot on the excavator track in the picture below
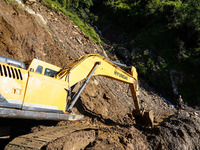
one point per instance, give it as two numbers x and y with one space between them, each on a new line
25 114
39 140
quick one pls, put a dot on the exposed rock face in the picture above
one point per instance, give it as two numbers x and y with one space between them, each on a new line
123 53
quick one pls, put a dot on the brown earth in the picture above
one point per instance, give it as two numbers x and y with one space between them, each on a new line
105 103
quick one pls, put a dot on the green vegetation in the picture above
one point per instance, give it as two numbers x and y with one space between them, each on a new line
13 2
10 1
167 29
77 11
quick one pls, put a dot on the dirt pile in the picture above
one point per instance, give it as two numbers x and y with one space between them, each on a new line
105 103
21 37
177 132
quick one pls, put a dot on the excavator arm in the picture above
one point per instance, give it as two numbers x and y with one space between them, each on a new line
94 64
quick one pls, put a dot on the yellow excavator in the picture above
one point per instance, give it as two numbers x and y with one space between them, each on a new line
39 90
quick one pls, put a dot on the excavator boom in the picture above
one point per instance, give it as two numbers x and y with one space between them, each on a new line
83 67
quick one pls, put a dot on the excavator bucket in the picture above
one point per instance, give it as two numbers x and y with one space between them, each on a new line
146 118
141 116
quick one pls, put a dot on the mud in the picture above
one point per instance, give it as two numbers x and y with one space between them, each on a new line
105 103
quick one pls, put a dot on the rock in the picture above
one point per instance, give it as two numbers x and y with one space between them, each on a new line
55 19
59 13
195 114
146 52
187 114
134 50
160 59
156 67
30 2
123 53
132 42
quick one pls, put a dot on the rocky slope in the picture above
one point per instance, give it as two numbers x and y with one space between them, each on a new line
26 31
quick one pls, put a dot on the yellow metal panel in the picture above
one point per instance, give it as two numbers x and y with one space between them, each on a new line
13 88
45 92
81 68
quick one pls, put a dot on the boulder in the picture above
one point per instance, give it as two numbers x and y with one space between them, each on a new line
123 53
29 2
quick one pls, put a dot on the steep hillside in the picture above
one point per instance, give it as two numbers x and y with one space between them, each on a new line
29 30
161 38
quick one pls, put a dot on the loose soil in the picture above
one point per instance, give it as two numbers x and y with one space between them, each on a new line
105 103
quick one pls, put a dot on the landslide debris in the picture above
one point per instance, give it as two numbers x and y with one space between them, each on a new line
105 103
180 132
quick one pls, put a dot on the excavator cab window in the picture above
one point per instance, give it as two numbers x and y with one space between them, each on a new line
39 69
50 73
31 69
